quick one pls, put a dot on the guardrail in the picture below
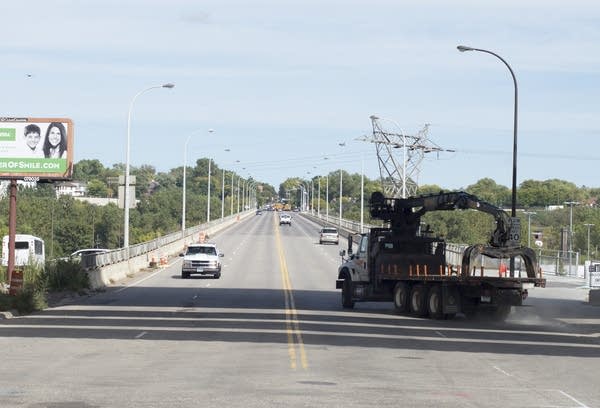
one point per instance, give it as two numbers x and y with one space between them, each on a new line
104 269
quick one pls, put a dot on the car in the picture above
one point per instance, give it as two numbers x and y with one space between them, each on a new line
329 234
202 259
258 212
81 253
87 257
285 219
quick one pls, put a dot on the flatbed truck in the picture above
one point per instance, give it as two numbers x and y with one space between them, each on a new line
424 276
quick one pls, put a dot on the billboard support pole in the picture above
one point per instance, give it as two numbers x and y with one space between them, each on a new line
12 228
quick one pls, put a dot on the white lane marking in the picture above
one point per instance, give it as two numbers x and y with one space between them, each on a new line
141 280
142 334
441 334
502 371
581 404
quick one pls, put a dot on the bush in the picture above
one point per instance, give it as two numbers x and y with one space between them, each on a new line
33 295
66 275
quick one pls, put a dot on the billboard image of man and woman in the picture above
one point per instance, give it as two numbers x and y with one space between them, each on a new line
36 148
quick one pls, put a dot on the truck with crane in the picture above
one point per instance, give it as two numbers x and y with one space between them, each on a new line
425 276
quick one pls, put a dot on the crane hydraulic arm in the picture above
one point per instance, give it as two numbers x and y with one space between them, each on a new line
404 214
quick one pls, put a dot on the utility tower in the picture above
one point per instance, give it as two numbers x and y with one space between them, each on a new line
400 157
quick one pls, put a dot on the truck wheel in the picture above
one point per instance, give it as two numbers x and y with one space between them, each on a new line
185 275
434 302
347 301
217 275
418 300
401 292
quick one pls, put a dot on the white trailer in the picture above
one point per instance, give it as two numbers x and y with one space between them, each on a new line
29 250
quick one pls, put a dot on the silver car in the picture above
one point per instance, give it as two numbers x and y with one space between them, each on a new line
329 234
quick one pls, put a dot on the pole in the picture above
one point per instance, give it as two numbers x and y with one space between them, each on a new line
588 239
232 193
463 48
319 198
223 196
362 193
12 229
327 199
208 201
238 195
570 203
529 214
341 195
183 200
127 157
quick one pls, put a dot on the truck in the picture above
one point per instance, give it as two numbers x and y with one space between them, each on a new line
425 276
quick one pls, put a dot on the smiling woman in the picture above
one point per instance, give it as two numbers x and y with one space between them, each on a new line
55 144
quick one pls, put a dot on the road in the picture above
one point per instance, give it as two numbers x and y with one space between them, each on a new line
271 333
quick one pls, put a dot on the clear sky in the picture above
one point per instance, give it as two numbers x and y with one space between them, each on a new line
282 83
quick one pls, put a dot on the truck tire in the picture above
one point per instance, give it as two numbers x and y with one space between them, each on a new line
434 302
418 300
185 275
347 301
401 296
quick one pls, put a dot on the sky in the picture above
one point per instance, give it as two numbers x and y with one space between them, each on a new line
287 87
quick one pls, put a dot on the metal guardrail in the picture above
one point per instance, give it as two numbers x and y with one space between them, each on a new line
124 254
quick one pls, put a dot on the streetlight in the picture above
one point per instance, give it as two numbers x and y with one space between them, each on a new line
341 192
208 201
183 200
223 196
529 214
127 156
463 48
588 239
571 204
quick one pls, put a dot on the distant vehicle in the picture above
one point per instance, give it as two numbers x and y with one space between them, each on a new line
202 259
80 253
329 234
285 219
87 256
296 209
29 250
258 212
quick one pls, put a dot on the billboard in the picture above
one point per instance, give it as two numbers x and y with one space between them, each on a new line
39 148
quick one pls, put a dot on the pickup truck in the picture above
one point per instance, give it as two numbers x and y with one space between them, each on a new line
202 259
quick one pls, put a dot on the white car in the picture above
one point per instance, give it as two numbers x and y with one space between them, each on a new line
285 219
202 259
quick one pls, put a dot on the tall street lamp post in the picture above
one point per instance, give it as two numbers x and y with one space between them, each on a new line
513 214
223 196
588 239
571 204
127 159
529 214
463 48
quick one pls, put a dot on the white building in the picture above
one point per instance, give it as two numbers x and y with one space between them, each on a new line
70 188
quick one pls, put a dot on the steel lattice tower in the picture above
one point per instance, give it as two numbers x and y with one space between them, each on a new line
400 172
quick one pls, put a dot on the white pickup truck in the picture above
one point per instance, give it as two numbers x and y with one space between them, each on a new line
201 259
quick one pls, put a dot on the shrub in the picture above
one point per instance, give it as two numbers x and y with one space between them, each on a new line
66 275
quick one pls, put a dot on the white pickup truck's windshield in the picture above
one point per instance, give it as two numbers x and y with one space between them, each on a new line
201 250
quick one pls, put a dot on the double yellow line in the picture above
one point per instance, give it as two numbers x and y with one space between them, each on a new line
294 335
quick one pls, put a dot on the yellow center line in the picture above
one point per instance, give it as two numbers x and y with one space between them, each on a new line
294 334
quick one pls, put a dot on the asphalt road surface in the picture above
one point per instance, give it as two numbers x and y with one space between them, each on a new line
272 333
